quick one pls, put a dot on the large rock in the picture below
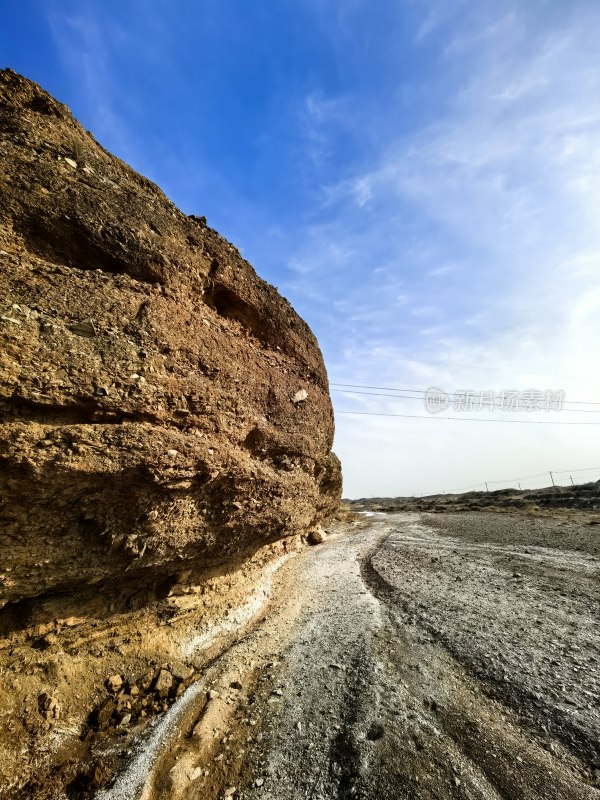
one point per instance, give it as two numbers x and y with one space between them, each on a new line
161 405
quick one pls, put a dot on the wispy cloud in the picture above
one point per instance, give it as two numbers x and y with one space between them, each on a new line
86 41
422 182
505 183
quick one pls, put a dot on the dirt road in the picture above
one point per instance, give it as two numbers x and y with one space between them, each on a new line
407 657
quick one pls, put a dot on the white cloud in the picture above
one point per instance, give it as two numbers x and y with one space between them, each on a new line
509 179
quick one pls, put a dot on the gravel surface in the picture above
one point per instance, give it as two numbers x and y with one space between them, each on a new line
408 658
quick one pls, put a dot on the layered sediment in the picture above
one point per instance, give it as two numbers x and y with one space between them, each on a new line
160 404
165 442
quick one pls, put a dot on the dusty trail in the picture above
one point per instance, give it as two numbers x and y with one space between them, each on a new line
397 661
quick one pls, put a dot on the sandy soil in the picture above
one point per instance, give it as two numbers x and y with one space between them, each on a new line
407 657
63 733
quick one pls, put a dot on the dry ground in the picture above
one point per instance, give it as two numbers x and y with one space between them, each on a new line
451 656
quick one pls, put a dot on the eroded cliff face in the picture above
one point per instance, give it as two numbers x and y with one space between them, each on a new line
161 406
165 443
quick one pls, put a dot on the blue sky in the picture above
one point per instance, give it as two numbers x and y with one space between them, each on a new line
420 178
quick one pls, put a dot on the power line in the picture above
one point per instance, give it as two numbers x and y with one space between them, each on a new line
563 471
387 388
409 397
527 477
521 478
508 480
424 391
466 419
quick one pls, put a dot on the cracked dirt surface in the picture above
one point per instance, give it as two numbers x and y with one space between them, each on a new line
404 658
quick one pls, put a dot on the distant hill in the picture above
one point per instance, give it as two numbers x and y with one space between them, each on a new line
585 497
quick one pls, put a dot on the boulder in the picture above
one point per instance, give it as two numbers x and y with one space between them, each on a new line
163 682
316 536
114 683
160 404
180 671
49 706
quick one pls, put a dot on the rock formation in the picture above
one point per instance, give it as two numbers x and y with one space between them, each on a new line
161 406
